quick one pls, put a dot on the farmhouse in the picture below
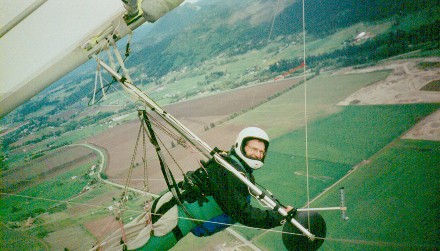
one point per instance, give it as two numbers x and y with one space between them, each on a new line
362 36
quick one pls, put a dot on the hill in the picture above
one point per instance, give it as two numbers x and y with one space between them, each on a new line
213 28
217 45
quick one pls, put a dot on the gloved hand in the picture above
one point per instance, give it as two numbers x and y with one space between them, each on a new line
291 212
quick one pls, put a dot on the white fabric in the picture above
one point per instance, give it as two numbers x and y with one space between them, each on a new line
169 220
138 232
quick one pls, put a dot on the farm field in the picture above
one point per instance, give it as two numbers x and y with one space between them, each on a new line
342 139
333 154
286 112
56 176
37 216
44 166
19 240
393 201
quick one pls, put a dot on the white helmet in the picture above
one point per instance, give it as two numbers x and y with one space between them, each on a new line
244 136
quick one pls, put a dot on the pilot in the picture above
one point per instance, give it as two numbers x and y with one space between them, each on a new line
231 194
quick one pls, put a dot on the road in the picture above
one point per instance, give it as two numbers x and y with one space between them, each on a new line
241 238
102 165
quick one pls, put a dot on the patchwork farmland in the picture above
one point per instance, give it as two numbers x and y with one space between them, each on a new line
352 139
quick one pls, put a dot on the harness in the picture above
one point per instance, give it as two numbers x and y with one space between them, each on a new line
165 207
243 169
200 180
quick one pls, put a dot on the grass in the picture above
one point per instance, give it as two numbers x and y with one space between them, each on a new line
55 228
98 191
355 133
432 86
191 242
330 43
64 139
392 202
428 65
63 239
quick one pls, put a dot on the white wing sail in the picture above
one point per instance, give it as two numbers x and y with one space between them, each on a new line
43 40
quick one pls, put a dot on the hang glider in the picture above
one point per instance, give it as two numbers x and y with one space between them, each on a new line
43 40
46 39
297 237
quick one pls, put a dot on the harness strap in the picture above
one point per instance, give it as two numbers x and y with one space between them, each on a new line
167 174
155 217
177 233
243 169
162 210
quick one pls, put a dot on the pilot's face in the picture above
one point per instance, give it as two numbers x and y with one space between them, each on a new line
255 149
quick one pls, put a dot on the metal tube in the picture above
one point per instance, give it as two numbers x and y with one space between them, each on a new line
344 211
23 15
320 209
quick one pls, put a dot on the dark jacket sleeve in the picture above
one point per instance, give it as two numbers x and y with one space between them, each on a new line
231 195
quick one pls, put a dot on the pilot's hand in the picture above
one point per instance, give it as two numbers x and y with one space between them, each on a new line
291 212
288 208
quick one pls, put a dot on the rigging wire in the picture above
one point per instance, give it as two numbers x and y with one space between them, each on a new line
267 44
105 88
144 161
179 139
305 112
70 179
122 208
130 171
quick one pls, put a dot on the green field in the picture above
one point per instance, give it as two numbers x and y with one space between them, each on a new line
393 202
24 204
339 138
336 144
354 134
56 222
19 240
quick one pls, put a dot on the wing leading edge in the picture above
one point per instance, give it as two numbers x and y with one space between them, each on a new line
58 36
